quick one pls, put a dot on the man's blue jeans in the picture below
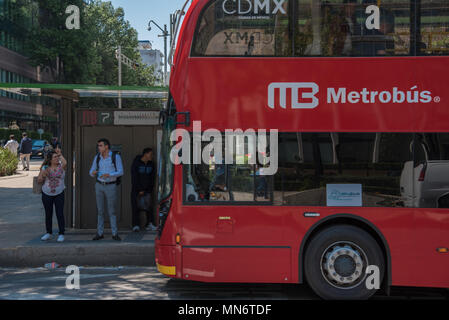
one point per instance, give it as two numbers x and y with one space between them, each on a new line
106 194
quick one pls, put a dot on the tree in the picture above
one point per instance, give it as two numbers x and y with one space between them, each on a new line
110 30
87 55
67 54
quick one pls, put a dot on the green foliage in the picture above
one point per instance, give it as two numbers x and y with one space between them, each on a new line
35 136
101 103
5 133
87 55
51 44
8 162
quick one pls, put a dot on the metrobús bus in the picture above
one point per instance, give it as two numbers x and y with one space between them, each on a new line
358 92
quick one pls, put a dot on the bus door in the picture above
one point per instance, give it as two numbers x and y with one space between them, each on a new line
231 231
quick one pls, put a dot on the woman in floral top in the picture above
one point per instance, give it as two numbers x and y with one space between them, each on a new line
52 176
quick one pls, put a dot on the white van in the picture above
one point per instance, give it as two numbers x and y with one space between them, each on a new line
426 185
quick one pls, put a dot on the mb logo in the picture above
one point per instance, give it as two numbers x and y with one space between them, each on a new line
302 94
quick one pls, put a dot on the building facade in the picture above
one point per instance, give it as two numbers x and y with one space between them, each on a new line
17 106
153 57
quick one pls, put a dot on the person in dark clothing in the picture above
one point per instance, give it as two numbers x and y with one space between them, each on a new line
54 143
26 146
142 179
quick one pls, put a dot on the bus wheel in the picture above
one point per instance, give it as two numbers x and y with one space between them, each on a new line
336 261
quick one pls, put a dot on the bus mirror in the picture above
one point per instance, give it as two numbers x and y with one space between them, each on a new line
162 117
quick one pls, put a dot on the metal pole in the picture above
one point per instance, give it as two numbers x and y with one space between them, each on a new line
164 34
172 22
165 53
119 76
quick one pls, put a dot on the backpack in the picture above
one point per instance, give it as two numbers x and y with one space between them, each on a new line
114 156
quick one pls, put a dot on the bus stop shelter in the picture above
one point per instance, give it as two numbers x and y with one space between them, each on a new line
88 113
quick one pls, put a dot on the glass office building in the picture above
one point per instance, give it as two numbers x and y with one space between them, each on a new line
17 18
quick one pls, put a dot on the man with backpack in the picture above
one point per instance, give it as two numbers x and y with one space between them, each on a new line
107 168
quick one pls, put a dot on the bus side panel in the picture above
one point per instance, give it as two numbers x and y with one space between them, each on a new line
166 260
395 226
217 239
173 223
228 264
432 267
244 101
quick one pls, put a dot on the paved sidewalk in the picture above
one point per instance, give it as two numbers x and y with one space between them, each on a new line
22 224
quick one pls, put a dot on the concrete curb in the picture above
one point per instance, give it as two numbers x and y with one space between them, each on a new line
107 254
14 176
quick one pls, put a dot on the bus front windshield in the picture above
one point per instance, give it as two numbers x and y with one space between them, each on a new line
166 167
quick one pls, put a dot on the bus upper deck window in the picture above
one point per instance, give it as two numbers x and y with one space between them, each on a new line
226 28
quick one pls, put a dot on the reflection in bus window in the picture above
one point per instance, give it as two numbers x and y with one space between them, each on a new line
227 29
322 30
392 170
431 171
433 38
336 28
242 180
209 183
380 164
339 28
373 161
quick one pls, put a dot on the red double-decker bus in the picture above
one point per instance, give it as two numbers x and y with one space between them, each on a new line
357 92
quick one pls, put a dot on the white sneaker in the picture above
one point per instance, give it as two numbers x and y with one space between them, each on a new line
60 238
46 237
136 229
151 227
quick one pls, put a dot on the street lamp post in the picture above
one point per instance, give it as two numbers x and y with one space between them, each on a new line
119 76
122 59
164 34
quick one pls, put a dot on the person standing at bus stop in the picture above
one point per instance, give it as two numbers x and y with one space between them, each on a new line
52 177
107 168
142 178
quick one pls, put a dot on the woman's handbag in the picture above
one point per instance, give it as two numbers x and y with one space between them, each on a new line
144 205
144 202
37 187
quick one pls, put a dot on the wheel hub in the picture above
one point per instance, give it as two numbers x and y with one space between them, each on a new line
342 264
345 266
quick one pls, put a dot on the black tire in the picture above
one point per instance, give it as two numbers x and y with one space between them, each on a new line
330 243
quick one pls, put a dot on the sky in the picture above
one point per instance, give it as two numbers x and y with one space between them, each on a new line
140 12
